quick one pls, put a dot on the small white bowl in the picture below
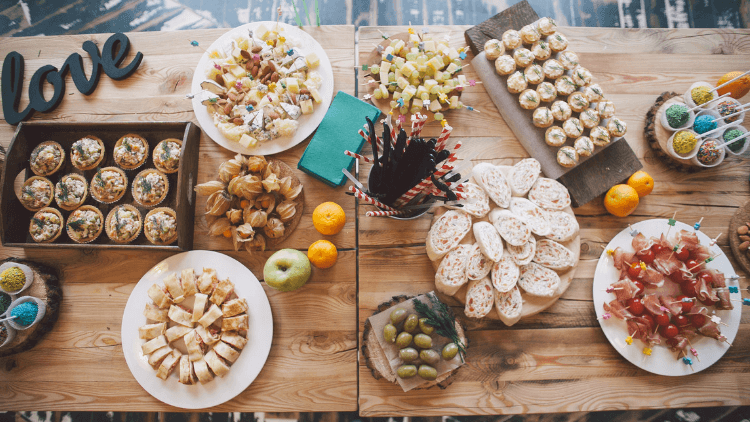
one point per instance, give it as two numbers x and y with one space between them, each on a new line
27 272
11 334
720 137
722 154
42 309
688 124
674 154
714 115
688 97
740 118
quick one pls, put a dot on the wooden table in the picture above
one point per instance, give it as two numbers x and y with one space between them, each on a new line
80 365
559 360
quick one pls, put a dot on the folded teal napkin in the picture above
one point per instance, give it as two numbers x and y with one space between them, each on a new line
324 156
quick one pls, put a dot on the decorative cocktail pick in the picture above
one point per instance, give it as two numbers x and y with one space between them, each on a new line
633 232
671 222
611 289
646 352
709 259
195 43
605 316
629 339
693 351
697 225
675 249
734 289
713 241
716 320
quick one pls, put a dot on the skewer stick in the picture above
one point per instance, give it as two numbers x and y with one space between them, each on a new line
713 241
8 318
737 113
708 102
710 132
729 82
612 289
692 350
736 139
633 232
675 249
697 225
671 222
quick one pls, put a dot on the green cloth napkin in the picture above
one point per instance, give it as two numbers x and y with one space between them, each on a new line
324 156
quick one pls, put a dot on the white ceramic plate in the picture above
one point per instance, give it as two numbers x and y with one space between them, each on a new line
242 372
307 123
662 361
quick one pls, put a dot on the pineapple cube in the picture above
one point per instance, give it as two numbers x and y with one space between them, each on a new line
452 53
422 59
248 141
261 32
315 95
429 46
452 68
409 92
421 90
243 43
398 46
388 50
407 69
421 67
292 84
435 106
429 84
454 102
312 60
402 82
384 68
229 79
306 106
399 61
238 71
396 95
462 80
414 38
411 57
435 64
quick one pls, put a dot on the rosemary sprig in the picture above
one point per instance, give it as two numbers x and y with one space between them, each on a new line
38 222
126 144
98 177
77 224
64 191
441 317
571 156
530 98
28 191
618 125
118 223
165 153
79 148
146 185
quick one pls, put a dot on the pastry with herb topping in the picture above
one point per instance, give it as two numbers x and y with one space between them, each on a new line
46 225
167 155
46 158
150 187
160 226
87 153
71 191
131 151
36 193
85 224
123 224
109 185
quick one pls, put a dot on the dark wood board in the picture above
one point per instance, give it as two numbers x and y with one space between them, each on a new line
516 16
740 218
46 286
180 197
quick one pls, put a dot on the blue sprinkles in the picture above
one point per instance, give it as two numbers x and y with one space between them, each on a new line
25 313
704 124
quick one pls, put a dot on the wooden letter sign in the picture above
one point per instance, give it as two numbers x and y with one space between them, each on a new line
113 52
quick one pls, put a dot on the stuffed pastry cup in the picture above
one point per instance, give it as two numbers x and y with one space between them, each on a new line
87 153
150 187
123 224
36 193
160 226
85 224
71 191
109 185
131 151
167 155
47 158
46 225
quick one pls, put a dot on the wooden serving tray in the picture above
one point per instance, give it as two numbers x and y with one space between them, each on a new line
14 224
740 217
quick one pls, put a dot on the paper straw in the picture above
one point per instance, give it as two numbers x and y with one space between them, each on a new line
363 134
382 213
358 156
729 82
368 199
443 138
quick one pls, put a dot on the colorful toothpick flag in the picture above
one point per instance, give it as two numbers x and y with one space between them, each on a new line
633 232
697 225
365 67
733 289
671 222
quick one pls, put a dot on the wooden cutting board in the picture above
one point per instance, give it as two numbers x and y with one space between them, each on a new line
740 218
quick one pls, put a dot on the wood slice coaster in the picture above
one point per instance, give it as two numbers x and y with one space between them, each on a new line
46 286
378 363
657 136
740 217
299 204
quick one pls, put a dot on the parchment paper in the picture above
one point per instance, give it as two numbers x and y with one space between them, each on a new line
379 321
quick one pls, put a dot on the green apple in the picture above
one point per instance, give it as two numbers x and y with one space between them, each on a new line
287 270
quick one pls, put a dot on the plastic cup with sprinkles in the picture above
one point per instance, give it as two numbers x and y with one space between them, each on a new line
683 144
728 106
25 312
706 121
731 132
699 93
4 302
677 116
7 334
710 153
15 278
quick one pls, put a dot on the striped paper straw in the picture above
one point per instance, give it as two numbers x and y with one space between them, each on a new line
380 141
358 156
368 199
382 213
367 139
411 193
443 138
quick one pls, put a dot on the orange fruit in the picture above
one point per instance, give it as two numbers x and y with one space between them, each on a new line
329 218
621 200
642 182
322 254
736 89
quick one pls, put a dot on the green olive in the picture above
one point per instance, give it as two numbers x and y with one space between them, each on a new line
429 356
403 340
406 371
427 372
411 324
408 354
425 327
450 351
398 315
389 333
423 341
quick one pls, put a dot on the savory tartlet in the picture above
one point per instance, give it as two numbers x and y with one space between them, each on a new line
131 151
123 224
167 155
87 153
150 187
36 193
85 224
47 158
46 225
71 191
160 226
108 185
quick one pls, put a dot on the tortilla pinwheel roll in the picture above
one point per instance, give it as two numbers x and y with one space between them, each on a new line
492 180
512 228
216 363
168 364
478 203
524 254
563 226
235 323
505 274
523 175
181 316
153 344
226 351
155 358
207 335
234 307
446 233
222 291
207 280
553 255
175 288
187 376
199 306
187 280
233 338
201 371
451 273
509 305
149 331
193 346
489 240
478 265
549 194
155 313
535 217
479 298
160 297
537 280
177 332
210 316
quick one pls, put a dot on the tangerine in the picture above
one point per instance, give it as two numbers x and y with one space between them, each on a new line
642 182
621 200
329 218
736 89
322 254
